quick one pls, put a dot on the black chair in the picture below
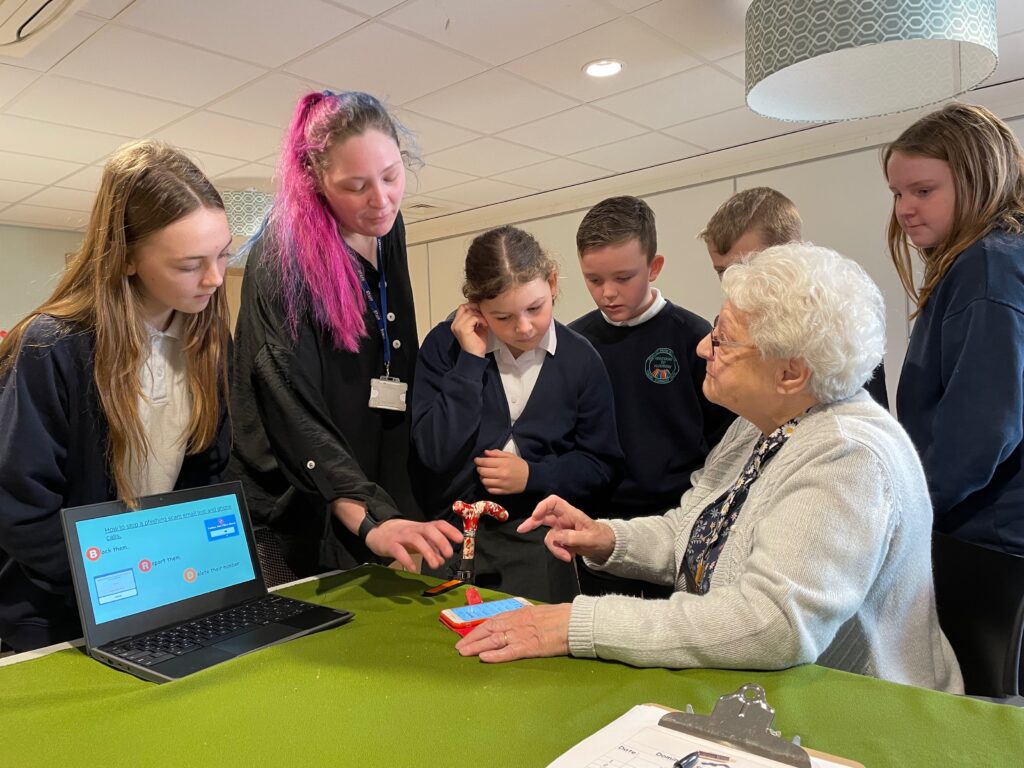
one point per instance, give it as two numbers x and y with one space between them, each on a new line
979 594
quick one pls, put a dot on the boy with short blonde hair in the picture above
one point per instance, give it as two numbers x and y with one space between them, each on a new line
755 219
750 221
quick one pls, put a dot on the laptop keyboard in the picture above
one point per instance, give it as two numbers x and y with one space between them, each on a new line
147 650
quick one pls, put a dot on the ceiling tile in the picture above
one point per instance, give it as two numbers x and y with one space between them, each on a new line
735 65
261 32
552 174
154 67
69 102
250 176
485 157
14 191
713 30
572 131
491 102
56 45
432 135
1011 59
686 96
212 165
403 69
368 7
645 54
270 100
630 5
430 178
499 32
223 135
1010 17
638 152
729 129
108 9
87 178
37 216
13 80
411 209
57 141
485 192
68 199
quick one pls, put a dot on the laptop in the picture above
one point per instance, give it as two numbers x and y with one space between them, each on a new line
175 586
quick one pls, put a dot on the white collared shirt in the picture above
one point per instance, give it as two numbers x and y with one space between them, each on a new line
643 317
165 407
519 374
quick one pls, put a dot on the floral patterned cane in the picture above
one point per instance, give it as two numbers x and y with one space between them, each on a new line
470 514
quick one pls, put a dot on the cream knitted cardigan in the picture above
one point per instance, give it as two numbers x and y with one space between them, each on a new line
829 561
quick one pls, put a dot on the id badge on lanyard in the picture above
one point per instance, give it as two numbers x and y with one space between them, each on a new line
386 392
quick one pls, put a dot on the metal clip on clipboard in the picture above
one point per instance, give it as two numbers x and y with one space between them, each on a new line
742 720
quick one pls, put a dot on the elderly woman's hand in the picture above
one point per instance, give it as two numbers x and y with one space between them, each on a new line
572 531
527 633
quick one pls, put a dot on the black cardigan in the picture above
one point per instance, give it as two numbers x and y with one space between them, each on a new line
53 454
304 433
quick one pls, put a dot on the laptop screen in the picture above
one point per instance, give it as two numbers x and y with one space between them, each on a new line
139 560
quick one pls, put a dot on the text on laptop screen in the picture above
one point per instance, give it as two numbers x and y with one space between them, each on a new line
136 561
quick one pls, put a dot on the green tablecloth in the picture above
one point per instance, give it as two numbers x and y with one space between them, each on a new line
388 689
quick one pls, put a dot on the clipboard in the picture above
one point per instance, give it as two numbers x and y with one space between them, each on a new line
739 726
743 720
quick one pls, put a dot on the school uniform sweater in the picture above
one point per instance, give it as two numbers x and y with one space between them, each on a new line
961 394
666 425
566 434
53 454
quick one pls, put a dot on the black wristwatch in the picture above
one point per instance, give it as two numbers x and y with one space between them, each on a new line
368 524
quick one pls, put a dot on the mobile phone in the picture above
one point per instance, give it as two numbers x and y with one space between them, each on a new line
465 616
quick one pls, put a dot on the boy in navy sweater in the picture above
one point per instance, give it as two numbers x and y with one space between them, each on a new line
649 346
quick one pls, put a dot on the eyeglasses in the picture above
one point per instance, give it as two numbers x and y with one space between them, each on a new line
717 342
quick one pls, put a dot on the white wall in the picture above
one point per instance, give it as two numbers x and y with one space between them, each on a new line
843 200
31 260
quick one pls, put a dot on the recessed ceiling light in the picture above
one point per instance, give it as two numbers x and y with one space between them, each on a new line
603 68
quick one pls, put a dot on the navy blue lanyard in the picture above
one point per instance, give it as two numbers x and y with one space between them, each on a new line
381 313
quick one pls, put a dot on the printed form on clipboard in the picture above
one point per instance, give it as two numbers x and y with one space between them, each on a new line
652 736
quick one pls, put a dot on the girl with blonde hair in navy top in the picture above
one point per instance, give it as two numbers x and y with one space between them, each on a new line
509 406
116 387
957 178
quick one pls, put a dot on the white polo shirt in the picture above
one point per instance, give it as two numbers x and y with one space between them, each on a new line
656 307
165 406
519 374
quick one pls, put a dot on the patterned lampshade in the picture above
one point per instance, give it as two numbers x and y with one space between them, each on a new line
826 60
246 209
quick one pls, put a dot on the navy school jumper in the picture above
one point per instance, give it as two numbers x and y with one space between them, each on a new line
566 434
54 454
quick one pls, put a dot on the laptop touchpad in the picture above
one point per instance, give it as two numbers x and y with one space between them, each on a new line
258 638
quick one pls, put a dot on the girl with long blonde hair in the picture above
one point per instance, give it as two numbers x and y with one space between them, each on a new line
957 178
115 387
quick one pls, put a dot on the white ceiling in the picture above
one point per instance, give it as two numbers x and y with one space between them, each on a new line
493 90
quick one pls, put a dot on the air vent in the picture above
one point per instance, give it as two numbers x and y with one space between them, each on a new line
24 23
423 207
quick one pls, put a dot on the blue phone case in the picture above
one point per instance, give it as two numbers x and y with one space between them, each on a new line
486 610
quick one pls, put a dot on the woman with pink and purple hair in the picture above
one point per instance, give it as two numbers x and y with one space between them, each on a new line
325 347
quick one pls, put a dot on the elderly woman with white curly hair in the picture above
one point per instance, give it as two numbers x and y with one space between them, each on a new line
805 537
